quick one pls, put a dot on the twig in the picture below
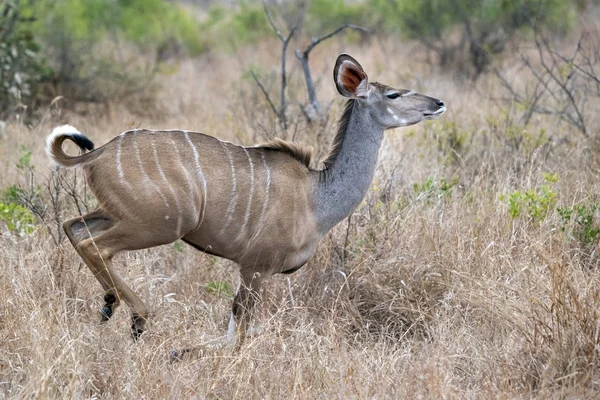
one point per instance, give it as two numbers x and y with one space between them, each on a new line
560 83
264 92
277 32
576 66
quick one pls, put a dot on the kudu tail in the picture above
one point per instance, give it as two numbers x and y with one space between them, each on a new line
54 146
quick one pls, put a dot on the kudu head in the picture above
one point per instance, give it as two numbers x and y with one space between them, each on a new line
389 107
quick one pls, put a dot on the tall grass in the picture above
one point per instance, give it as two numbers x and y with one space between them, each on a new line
431 290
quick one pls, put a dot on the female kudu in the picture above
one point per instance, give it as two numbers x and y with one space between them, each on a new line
262 207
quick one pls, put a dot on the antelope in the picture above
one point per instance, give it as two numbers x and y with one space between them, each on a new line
262 207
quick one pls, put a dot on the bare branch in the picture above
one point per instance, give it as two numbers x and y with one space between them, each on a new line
560 83
265 93
282 105
576 66
315 41
279 35
303 57
284 45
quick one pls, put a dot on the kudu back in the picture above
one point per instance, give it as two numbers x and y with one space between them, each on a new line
263 207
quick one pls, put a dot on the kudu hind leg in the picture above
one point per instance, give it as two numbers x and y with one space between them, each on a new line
89 226
97 240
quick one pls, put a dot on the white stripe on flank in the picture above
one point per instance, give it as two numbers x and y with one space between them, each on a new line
119 166
249 206
144 174
188 180
162 174
234 195
266 201
199 172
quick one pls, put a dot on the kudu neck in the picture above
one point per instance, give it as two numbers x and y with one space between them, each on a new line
349 168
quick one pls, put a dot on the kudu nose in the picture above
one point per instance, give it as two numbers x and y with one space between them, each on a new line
440 103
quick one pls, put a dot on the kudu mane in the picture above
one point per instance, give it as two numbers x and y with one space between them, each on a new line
336 145
304 154
301 153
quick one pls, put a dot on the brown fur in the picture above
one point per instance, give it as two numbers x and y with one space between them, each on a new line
301 153
154 187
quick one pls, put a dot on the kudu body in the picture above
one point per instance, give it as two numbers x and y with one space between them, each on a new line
262 207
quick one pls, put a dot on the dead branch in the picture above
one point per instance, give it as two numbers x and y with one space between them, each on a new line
561 83
265 93
303 56
285 41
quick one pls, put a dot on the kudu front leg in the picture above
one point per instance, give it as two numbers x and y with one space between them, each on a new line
243 310
244 307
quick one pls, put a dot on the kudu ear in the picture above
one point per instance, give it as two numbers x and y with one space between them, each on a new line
350 78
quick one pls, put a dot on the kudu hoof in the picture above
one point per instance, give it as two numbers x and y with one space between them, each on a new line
137 326
175 355
189 353
106 312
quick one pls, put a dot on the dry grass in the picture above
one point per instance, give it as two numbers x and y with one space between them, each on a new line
433 293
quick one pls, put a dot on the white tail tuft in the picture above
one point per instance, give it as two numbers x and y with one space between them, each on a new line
59 130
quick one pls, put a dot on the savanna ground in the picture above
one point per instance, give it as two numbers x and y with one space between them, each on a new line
469 271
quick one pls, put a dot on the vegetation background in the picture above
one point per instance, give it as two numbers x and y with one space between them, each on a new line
471 270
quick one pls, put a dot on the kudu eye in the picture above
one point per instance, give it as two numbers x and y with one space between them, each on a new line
393 95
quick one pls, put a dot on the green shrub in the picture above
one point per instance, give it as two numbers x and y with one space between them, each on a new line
441 189
585 229
326 15
148 24
431 18
16 203
21 65
219 288
486 25
223 26
17 218
533 203
99 49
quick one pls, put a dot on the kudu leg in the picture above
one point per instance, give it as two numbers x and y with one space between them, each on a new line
244 305
97 238
89 226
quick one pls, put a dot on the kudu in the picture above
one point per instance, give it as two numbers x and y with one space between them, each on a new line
263 207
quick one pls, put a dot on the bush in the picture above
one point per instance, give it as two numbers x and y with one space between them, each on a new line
96 49
149 24
17 218
326 15
20 64
534 204
485 25
246 25
585 228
